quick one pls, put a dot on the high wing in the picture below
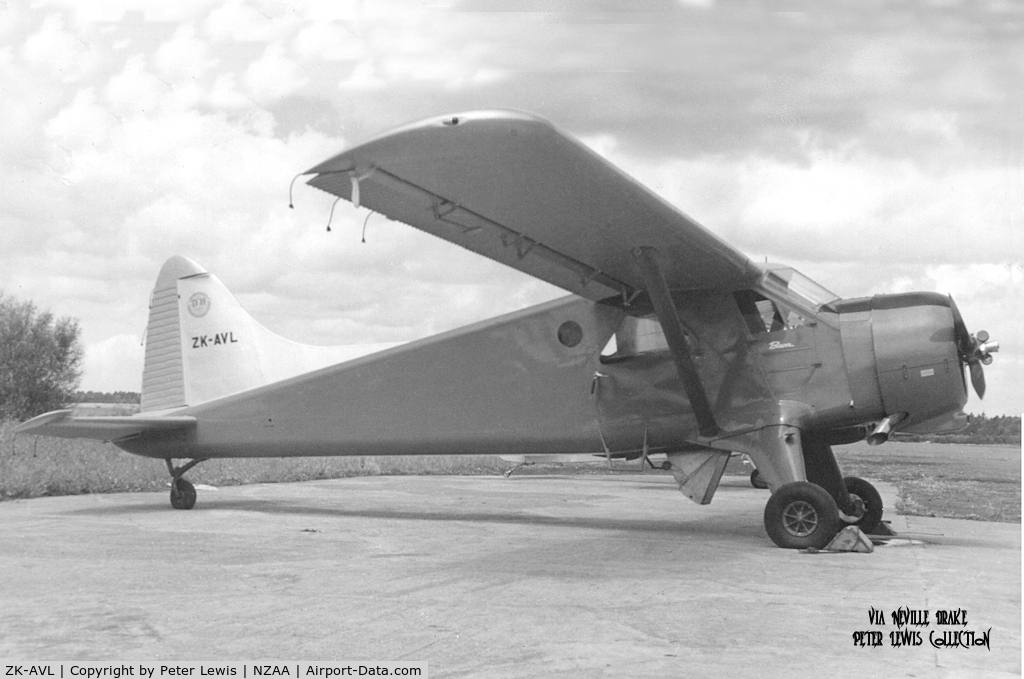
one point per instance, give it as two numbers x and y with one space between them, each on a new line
63 424
511 187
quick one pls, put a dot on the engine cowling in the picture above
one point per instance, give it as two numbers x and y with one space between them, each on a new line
902 359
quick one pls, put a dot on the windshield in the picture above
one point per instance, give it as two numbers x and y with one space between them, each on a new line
790 281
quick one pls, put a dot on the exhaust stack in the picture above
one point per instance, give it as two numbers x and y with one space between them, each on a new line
881 433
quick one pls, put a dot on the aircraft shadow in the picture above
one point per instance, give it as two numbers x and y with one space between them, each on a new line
726 527
713 526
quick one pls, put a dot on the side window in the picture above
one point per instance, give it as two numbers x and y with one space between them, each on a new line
794 319
634 337
759 313
762 315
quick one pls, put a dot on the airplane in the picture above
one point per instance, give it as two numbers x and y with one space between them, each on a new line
671 341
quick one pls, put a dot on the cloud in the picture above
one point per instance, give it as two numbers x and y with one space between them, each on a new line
225 95
113 364
184 58
55 50
875 153
90 12
81 125
328 42
236 20
856 206
135 91
273 76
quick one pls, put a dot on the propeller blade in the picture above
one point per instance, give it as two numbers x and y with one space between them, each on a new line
978 378
973 351
964 342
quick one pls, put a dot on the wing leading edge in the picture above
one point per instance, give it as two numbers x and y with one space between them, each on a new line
513 188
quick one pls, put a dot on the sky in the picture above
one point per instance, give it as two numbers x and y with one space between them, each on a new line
875 146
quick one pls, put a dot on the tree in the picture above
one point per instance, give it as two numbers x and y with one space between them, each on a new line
40 359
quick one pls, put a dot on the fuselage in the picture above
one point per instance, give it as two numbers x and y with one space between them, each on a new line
576 376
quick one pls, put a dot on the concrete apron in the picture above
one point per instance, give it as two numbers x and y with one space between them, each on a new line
489 577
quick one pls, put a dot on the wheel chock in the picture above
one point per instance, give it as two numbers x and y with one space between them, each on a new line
884 529
850 539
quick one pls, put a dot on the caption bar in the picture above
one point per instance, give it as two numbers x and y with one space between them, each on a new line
217 670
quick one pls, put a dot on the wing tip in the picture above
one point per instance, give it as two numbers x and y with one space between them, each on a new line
63 424
344 162
41 421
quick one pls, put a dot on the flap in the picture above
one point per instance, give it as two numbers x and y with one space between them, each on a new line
511 187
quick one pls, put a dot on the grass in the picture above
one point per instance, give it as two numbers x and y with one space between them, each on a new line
948 480
956 481
35 466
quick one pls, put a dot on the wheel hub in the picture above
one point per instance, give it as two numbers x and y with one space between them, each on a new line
800 518
858 510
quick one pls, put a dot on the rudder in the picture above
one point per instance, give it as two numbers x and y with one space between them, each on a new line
163 378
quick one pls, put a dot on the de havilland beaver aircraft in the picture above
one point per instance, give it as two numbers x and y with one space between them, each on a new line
672 342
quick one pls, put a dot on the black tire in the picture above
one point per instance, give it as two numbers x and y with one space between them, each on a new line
183 494
756 481
801 515
872 503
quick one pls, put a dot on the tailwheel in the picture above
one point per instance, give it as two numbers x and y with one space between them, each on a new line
863 493
183 494
801 515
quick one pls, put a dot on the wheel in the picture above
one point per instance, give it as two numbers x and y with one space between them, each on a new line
666 466
183 494
866 493
756 481
801 515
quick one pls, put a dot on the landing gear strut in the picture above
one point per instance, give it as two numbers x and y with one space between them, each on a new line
183 493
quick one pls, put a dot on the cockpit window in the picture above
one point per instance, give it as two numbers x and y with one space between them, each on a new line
762 315
634 337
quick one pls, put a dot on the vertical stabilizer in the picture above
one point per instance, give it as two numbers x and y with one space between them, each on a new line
202 345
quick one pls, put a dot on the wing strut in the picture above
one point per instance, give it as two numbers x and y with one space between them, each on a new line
661 299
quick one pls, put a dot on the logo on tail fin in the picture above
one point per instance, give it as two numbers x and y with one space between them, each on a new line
198 304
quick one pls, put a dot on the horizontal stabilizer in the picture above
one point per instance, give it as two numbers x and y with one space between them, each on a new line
63 424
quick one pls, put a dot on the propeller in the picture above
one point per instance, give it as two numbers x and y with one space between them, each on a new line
974 350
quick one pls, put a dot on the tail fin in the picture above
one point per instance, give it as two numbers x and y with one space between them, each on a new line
202 345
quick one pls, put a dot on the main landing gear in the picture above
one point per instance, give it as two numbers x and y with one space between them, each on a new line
808 513
183 493
800 515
